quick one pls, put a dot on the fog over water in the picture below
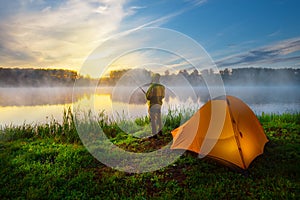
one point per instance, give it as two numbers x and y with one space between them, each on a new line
39 105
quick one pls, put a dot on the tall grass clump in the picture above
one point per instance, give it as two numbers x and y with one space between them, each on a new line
284 127
63 132
11 132
176 117
282 118
109 126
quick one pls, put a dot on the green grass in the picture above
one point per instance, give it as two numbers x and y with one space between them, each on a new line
49 162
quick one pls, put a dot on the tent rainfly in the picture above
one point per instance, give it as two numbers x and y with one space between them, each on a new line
225 129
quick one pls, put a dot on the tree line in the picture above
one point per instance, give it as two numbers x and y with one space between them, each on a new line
29 77
19 77
233 77
261 76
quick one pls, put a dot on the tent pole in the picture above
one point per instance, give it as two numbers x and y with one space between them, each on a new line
236 131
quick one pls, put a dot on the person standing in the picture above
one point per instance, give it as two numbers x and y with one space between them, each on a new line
154 96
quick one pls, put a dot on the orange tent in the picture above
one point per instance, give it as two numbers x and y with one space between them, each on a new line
225 129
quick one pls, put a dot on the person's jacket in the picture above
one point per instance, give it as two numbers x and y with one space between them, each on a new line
155 94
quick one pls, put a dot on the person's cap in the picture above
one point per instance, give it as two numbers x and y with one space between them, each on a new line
156 76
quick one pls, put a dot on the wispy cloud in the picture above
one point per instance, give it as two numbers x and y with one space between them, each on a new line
275 33
197 2
278 53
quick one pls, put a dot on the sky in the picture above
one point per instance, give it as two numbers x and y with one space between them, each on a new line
234 33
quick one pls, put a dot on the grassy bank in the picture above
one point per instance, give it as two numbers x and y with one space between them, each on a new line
49 162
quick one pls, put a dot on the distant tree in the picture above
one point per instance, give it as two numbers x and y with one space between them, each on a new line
184 73
167 73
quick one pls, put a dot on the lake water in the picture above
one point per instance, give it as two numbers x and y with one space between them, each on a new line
40 105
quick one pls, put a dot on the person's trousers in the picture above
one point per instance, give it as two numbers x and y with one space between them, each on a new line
155 118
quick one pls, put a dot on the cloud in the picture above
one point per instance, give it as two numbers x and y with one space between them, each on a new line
56 34
275 33
62 34
133 9
278 53
197 2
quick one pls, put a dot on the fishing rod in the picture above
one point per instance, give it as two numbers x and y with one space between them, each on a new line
147 84
140 87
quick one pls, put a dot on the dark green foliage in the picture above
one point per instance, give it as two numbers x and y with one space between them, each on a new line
142 121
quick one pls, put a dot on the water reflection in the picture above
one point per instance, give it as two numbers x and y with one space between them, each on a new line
36 96
33 105
18 115
61 96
